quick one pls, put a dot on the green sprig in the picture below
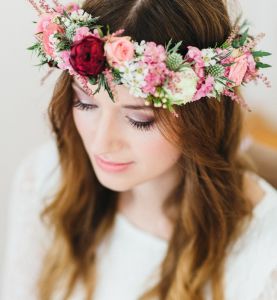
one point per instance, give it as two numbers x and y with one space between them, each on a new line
260 53
261 65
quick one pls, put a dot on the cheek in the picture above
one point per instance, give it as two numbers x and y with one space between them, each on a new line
83 124
155 152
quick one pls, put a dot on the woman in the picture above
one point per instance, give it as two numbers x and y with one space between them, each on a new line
182 217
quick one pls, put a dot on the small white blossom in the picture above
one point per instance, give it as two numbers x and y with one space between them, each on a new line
57 20
140 48
48 56
208 57
67 22
133 77
80 16
219 87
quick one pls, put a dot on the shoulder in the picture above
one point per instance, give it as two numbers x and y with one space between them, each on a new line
27 237
253 257
39 171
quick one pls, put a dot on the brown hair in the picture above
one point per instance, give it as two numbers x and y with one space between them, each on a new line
212 207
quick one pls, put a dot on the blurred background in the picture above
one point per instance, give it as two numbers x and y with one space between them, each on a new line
24 125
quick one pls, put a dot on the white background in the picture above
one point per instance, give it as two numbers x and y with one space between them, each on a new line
24 101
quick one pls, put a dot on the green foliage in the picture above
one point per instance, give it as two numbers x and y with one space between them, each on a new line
34 47
103 83
116 76
216 70
243 38
260 53
174 61
92 80
261 65
174 49
236 44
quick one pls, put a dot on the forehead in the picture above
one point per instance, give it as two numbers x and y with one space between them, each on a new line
125 98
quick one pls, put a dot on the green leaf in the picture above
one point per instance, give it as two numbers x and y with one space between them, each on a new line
244 37
31 48
35 46
222 82
92 80
100 31
260 53
168 45
262 65
99 85
108 89
225 45
228 65
228 80
108 29
176 47
66 15
236 44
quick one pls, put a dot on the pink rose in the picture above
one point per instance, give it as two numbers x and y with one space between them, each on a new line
238 69
44 21
47 44
118 50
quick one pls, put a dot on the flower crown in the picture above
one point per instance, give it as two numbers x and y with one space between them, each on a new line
68 38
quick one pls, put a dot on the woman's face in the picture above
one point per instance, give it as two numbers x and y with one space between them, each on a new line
120 133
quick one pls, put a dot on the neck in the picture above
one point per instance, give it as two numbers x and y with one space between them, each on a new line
143 205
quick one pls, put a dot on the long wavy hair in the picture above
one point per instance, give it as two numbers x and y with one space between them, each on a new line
211 206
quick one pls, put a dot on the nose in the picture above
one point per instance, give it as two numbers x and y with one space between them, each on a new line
108 137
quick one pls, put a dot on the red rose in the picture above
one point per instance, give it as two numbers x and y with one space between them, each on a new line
87 56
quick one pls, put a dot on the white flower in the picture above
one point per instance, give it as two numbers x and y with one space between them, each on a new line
187 85
219 87
137 92
80 15
207 55
139 48
132 76
57 20
67 22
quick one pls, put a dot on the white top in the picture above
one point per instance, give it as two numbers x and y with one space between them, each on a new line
129 255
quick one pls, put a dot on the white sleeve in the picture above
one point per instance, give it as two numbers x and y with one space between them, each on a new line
27 237
270 290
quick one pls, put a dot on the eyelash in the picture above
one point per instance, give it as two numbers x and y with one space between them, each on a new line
138 125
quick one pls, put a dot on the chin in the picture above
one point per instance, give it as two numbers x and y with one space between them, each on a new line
114 181
115 185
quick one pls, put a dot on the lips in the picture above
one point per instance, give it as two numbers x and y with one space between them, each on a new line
112 163
112 167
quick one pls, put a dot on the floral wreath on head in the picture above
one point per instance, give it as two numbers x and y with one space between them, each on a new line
69 38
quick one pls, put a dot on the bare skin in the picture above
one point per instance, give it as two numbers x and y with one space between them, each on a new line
160 226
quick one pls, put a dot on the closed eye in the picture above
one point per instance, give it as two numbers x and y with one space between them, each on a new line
83 106
138 125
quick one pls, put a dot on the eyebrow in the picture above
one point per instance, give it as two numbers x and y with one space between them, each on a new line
130 106
138 107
